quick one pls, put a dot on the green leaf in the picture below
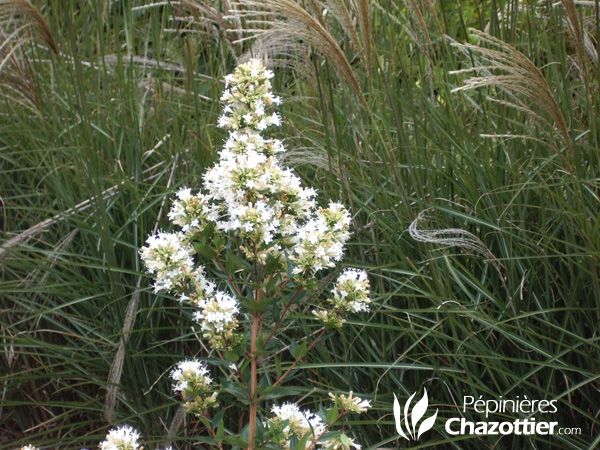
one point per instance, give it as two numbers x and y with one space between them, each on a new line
275 392
263 352
209 231
345 440
277 362
301 444
260 341
217 419
234 263
234 440
332 415
220 433
271 266
205 251
206 440
293 347
230 356
203 420
254 306
298 351
237 390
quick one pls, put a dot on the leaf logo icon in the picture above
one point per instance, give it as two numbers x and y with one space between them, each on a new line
416 414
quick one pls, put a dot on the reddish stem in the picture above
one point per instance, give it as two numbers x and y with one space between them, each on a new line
315 440
253 383
295 363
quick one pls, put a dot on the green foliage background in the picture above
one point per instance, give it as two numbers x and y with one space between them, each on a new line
95 140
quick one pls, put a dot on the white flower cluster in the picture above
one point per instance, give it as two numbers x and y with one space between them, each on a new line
345 404
123 438
248 93
340 442
352 290
351 293
249 193
193 382
290 422
350 403
217 319
28 447
203 288
188 373
256 196
169 256
320 241
190 212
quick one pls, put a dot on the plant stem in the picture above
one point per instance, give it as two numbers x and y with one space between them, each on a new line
316 439
282 316
287 307
253 382
213 433
256 319
295 363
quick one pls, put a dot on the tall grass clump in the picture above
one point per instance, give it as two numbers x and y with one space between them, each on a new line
83 181
463 137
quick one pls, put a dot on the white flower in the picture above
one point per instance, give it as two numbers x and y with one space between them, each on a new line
123 438
190 211
223 121
217 319
319 242
247 94
204 287
339 443
189 372
274 119
299 423
259 108
352 291
217 313
169 256
193 382
350 403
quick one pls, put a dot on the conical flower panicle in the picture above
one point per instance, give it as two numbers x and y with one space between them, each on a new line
257 198
247 94
246 195
254 213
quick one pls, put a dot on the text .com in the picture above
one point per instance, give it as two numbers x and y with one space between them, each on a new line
462 426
